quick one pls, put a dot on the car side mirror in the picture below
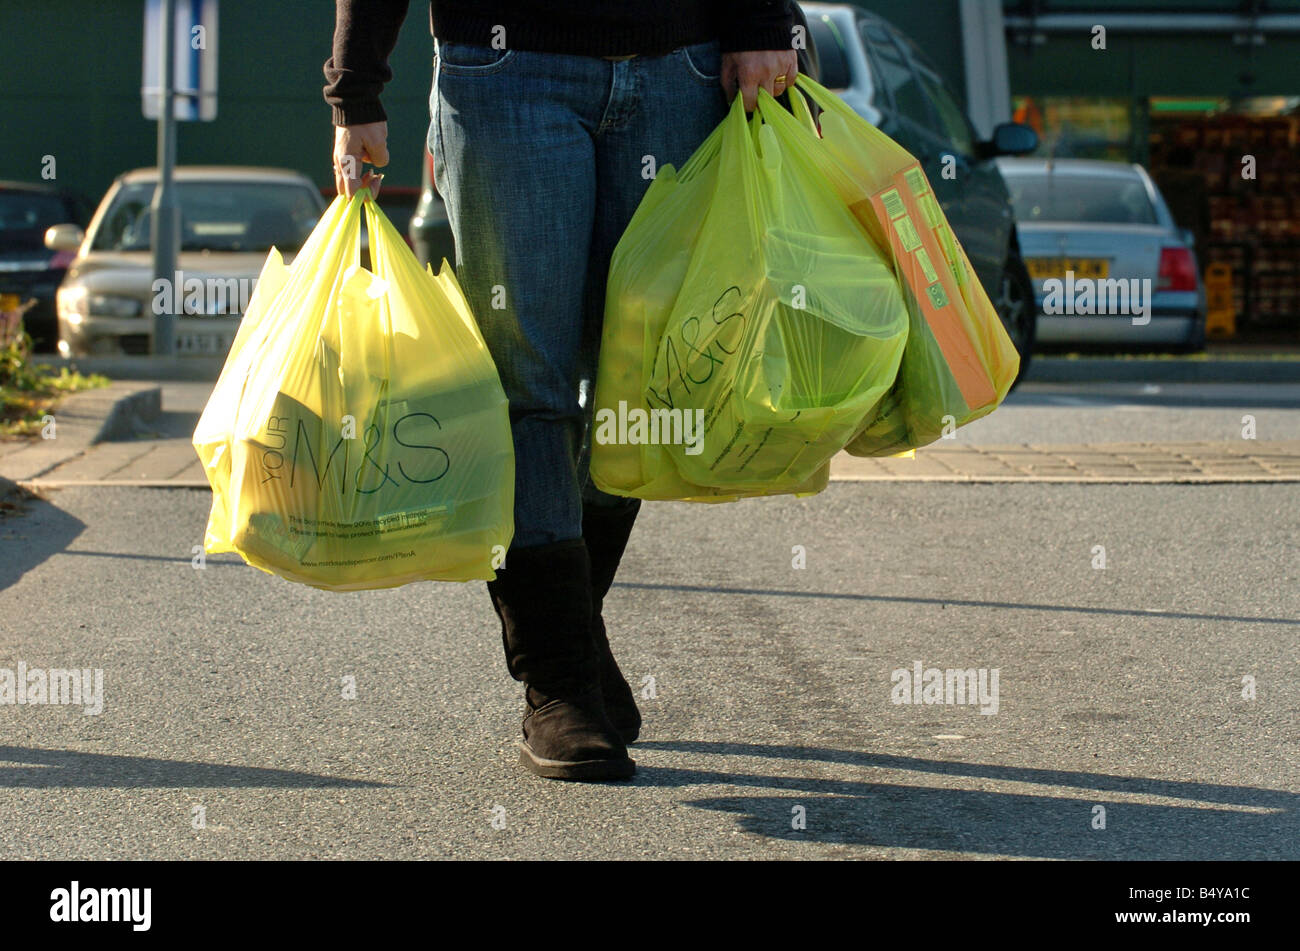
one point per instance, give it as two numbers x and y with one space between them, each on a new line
1012 138
1188 237
64 237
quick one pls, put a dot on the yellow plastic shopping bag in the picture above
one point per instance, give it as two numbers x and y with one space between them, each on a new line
750 326
358 435
959 363
645 274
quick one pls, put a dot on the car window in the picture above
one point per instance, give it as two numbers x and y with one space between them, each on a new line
1095 199
952 119
24 216
895 74
215 216
826 40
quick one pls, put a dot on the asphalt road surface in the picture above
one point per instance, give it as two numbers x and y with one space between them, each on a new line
1161 688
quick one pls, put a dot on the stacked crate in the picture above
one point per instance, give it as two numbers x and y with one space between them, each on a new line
1255 223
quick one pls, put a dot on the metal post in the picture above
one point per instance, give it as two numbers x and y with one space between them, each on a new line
984 46
166 213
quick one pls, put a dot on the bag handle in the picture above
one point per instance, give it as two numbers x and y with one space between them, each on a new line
848 120
824 98
382 235
769 106
827 101
799 109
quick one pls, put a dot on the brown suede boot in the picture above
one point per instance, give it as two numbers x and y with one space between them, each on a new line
606 530
543 597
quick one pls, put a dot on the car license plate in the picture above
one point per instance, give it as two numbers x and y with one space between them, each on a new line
204 344
1041 269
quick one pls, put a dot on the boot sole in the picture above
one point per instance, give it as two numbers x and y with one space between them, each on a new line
592 770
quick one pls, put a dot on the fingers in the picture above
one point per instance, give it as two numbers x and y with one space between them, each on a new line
354 146
787 72
748 72
347 162
729 77
753 73
784 81
376 147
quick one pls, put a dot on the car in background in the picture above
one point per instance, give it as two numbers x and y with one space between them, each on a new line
231 216
28 269
1106 222
885 78
429 230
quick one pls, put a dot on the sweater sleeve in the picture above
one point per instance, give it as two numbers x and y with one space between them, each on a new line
365 32
755 25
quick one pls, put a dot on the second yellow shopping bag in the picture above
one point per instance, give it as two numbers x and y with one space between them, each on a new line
959 363
750 326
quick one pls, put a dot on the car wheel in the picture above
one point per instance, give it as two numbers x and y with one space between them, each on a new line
1196 342
1015 305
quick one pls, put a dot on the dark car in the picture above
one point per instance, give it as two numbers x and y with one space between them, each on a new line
430 232
27 267
888 81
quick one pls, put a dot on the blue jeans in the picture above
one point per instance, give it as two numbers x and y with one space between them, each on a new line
541 159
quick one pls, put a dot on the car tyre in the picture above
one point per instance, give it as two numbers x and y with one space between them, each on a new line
1016 306
1196 342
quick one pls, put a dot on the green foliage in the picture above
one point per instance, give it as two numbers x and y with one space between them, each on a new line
28 391
15 370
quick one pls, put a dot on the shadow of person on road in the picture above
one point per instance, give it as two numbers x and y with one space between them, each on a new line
1218 822
961 602
32 531
63 769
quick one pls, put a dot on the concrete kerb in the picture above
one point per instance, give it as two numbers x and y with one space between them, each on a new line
81 420
1284 367
155 369
1045 369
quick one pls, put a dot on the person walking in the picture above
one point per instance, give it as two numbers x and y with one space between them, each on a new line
548 121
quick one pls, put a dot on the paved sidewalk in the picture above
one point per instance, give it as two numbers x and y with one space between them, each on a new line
80 421
171 462
1246 461
1234 362
1189 435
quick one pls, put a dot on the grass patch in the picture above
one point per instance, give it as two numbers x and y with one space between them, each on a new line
28 392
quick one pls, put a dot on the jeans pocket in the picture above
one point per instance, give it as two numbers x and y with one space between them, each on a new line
469 59
703 61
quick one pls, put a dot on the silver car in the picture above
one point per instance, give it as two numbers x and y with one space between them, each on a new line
230 218
1110 267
